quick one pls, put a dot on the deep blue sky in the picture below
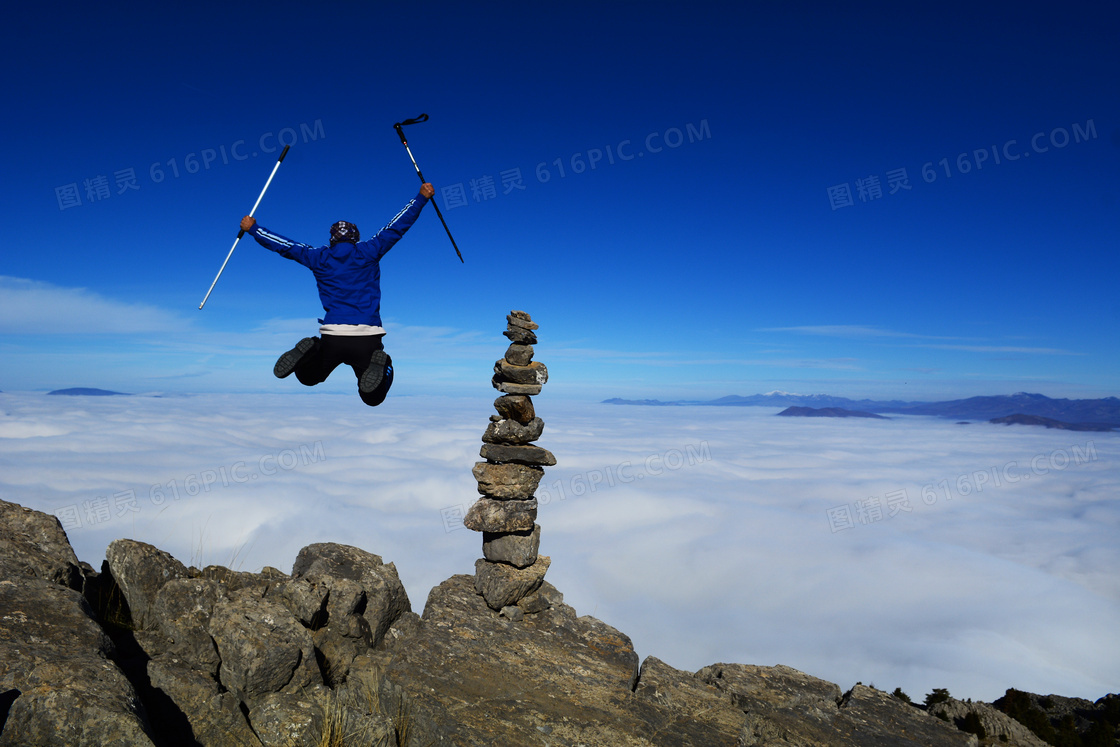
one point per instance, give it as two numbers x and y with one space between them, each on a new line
715 267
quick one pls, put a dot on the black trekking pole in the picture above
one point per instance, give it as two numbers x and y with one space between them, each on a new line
418 120
256 204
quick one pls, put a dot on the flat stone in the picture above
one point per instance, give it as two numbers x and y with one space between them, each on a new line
503 454
522 336
489 515
534 373
502 585
511 388
515 407
509 431
523 315
515 321
507 481
519 355
518 549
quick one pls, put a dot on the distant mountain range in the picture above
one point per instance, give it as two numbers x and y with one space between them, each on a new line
88 392
827 412
1103 412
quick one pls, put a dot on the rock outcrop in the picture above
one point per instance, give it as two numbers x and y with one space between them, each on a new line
59 684
284 660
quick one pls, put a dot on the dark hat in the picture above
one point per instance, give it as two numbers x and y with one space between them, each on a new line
344 231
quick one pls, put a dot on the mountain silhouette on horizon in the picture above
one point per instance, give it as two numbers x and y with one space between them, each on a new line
1105 411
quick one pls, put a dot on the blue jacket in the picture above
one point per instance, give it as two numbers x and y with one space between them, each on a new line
348 275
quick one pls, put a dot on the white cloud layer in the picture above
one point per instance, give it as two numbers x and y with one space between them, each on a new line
31 306
703 533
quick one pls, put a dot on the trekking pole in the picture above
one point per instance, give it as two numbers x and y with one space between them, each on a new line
242 233
418 120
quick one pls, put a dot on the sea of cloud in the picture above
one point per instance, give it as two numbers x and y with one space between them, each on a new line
911 552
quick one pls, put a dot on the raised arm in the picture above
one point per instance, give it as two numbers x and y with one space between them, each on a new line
285 247
384 240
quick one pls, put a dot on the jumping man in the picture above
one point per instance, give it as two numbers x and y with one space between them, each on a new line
348 274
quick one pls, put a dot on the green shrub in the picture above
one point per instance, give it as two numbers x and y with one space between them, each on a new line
939 695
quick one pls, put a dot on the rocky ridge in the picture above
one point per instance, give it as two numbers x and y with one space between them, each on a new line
150 652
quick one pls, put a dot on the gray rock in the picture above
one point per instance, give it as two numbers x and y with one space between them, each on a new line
534 373
385 597
304 599
518 354
233 581
516 407
513 613
34 545
197 707
552 671
713 717
518 549
520 336
516 454
141 570
286 719
182 610
338 644
870 716
534 602
507 481
56 660
781 703
509 431
998 726
489 515
404 627
503 585
263 648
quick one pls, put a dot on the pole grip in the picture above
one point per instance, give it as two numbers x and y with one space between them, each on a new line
400 133
283 153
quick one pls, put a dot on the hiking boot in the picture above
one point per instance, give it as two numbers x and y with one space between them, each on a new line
375 373
289 360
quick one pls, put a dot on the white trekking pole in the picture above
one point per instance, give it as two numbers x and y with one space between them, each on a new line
242 233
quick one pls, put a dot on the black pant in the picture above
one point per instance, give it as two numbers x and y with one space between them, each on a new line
355 351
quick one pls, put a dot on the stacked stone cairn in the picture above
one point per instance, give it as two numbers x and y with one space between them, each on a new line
511 574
